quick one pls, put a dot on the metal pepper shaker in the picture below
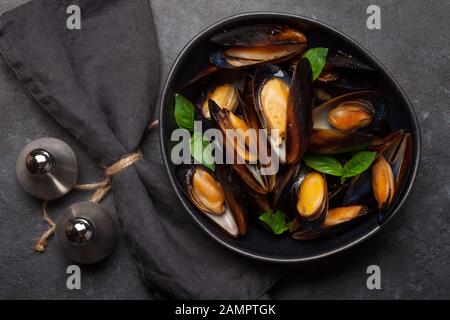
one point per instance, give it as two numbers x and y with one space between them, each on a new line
47 168
86 233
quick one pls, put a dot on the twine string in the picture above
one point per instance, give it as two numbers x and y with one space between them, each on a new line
41 243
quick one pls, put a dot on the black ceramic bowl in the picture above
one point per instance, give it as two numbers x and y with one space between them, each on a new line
258 243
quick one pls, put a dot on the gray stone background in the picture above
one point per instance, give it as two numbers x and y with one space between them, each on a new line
412 251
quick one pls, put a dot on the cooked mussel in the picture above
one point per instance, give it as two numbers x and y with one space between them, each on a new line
311 196
335 220
271 92
309 199
225 90
351 115
236 133
243 57
329 141
354 112
390 168
240 143
252 45
345 123
285 106
339 215
224 95
213 198
259 35
383 182
378 186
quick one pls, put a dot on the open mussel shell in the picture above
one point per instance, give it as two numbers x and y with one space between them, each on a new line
357 112
224 95
224 90
260 35
236 133
244 158
328 141
285 105
345 124
309 199
337 219
379 186
213 198
244 57
390 170
271 95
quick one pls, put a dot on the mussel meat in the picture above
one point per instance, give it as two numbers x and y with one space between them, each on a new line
311 196
309 199
354 112
339 215
224 95
336 219
271 92
383 182
351 115
213 198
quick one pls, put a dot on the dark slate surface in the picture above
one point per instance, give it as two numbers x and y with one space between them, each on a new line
412 251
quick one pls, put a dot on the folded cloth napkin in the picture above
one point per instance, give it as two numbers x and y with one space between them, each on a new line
101 84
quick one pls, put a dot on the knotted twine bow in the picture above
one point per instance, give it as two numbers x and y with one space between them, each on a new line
101 189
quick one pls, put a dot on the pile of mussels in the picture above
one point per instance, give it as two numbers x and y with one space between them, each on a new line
259 77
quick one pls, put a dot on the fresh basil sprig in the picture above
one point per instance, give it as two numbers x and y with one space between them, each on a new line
201 150
184 112
275 220
321 163
360 162
317 58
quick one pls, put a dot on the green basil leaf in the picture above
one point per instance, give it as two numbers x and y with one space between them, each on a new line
324 164
317 58
360 162
184 112
201 150
275 220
